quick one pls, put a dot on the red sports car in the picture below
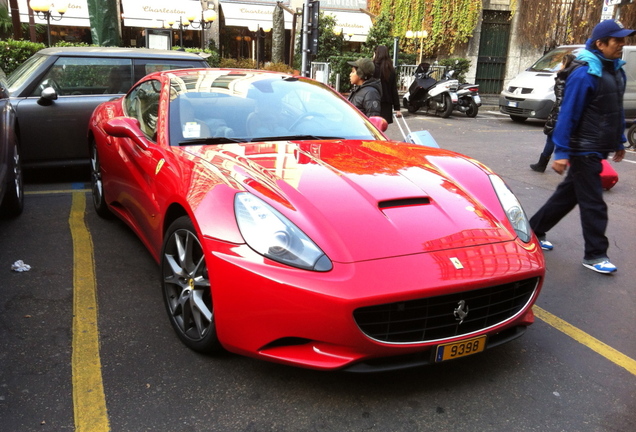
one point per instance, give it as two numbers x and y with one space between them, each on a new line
289 228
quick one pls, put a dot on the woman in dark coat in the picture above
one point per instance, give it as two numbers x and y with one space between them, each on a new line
385 72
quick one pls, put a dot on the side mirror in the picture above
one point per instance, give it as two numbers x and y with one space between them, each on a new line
379 122
126 127
47 96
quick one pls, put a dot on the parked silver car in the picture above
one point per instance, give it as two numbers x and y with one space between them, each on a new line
55 91
11 189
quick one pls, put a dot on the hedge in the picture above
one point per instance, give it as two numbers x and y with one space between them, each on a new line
13 53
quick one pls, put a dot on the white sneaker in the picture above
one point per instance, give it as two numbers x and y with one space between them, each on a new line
601 267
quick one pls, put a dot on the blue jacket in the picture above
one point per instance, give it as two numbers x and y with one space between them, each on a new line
581 86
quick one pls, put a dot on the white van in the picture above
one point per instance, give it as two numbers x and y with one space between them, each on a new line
531 93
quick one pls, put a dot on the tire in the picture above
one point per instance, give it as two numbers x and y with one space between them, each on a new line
631 136
518 119
97 185
187 293
473 109
447 106
412 109
13 201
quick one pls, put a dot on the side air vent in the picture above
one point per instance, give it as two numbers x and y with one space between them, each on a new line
404 202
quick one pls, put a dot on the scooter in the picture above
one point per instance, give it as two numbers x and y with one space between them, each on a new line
468 99
426 91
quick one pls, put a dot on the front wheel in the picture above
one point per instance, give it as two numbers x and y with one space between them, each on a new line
13 201
631 136
187 292
472 110
447 106
97 185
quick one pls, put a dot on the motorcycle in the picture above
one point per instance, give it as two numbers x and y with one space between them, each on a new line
425 91
468 100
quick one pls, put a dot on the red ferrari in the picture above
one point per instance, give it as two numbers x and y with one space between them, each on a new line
289 228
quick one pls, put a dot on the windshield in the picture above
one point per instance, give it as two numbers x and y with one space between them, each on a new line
24 72
243 106
551 62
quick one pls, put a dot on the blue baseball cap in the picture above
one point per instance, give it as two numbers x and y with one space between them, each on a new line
610 28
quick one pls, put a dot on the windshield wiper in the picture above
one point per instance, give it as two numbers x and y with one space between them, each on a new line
212 140
294 138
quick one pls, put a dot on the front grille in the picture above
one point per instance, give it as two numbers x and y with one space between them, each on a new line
433 318
515 111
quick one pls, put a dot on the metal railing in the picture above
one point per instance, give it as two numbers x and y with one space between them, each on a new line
406 75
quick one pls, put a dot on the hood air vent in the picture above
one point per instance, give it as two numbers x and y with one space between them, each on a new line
403 202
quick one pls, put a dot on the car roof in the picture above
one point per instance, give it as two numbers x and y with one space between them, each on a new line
118 52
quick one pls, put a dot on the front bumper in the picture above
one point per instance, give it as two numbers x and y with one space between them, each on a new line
530 108
306 319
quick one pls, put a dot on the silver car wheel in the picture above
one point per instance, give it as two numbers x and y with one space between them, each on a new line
186 286
97 185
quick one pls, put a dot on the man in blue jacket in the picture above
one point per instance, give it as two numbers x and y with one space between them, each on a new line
591 125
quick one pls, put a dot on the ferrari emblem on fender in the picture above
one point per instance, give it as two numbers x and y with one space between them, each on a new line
159 165
461 312
457 263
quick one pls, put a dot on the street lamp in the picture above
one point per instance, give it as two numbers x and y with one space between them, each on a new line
207 18
42 9
421 35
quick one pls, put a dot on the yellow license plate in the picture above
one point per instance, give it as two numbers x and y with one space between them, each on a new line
460 349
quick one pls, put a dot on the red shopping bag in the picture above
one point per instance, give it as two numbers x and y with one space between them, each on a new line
609 176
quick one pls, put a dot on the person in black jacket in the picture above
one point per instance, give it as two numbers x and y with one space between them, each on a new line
385 72
559 88
367 90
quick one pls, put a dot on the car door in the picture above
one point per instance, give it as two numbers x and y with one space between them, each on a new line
55 129
137 183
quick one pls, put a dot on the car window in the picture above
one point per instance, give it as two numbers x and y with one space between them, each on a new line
551 62
142 103
87 76
24 72
244 106
145 67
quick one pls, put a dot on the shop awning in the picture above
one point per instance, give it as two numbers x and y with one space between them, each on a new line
156 13
76 14
246 15
355 23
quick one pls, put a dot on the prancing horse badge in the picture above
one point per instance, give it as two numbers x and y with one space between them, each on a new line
457 263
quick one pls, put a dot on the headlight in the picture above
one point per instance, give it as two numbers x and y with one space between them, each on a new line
513 209
272 235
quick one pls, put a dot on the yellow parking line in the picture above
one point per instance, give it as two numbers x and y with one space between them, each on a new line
592 343
55 191
89 401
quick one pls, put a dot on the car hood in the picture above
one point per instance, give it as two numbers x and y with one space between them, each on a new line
364 200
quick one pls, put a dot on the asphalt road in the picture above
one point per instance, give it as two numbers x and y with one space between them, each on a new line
573 370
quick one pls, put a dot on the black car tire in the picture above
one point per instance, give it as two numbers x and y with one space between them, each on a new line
97 185
518 119
187 293
13 201
631 136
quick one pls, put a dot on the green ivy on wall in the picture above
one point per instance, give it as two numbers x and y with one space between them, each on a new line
448 23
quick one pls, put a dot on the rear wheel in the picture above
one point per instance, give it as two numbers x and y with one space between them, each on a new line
631 136
187 292
13 202
473 109
518 119
447 105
